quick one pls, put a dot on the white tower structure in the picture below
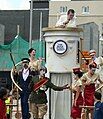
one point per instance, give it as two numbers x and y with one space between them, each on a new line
61 58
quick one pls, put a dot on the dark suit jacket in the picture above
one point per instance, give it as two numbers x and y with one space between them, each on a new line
98 110
24 84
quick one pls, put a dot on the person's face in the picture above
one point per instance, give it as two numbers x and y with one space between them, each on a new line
33 53
70 15
25 64
92 56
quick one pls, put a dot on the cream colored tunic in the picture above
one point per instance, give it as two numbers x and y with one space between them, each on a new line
76 84
93 79
35 65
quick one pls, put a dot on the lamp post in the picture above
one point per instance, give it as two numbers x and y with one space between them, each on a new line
31 20
40 24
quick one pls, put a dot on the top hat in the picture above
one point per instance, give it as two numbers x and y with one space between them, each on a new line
27 60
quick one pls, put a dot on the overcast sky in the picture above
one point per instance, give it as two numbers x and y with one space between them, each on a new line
14 4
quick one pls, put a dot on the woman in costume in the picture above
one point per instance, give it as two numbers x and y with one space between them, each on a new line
89 81
34 63
76 88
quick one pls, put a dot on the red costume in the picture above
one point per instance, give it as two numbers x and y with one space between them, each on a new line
89 90
2 110
76 110
89 95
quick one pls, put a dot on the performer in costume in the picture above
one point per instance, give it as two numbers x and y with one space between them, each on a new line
76 88
38 97
89 81
99 62
34 64
3 97
24 77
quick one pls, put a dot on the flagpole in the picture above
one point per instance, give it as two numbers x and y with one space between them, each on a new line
40 37
31 20
40 25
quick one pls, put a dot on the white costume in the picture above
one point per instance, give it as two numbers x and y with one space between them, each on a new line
63 18
99 70
76 84
98 61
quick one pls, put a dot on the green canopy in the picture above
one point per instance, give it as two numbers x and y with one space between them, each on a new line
19 49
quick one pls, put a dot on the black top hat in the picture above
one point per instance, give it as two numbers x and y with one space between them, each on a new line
25 60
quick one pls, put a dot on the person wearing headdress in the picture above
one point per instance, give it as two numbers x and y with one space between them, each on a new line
97 60
34 63
24 76
76 88
38 97
89 81
3 97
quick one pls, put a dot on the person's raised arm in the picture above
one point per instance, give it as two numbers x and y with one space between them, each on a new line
56 88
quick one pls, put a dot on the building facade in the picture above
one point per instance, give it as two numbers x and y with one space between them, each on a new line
89 17
86 11
11 18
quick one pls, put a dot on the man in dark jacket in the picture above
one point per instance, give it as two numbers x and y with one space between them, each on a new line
38 97
98 109
24 77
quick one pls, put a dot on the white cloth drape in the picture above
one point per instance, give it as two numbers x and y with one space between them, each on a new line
60 100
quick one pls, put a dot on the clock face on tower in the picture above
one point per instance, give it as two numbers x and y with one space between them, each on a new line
60 47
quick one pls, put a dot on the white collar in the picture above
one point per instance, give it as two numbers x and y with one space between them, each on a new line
25 73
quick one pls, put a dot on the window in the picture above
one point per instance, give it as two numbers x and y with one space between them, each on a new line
85 9
63 9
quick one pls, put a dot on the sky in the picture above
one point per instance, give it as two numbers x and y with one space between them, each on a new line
14 4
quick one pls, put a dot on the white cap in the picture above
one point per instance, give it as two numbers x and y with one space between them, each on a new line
92 52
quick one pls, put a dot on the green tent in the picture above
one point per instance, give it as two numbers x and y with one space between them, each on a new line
19 49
